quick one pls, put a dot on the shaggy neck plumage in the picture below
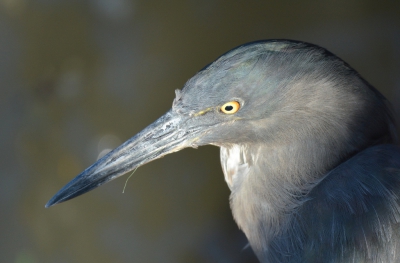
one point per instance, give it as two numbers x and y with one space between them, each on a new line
274 196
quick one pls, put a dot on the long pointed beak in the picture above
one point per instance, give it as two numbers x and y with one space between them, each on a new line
164 136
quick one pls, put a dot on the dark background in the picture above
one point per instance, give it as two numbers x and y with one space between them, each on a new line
78 78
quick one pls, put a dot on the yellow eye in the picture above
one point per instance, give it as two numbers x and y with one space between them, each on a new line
230 107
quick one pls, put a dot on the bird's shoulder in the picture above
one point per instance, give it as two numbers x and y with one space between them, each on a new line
355 210
370 176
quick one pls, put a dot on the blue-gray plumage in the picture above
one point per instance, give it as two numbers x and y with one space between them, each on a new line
307 149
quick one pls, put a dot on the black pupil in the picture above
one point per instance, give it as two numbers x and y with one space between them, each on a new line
228 108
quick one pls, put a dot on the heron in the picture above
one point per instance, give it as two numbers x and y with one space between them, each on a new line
308 149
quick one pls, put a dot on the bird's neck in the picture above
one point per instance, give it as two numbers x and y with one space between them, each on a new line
267 185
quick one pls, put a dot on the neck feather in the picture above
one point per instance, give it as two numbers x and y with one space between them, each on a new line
267 184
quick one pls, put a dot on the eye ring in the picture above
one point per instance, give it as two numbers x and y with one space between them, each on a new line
230 107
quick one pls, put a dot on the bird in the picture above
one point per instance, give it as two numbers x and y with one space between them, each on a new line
308 149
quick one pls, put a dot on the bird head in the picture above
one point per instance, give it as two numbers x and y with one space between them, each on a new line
274 92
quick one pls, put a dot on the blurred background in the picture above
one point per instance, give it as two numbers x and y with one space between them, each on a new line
79 77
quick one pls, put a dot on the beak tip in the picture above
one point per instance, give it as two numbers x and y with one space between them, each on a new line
52 201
